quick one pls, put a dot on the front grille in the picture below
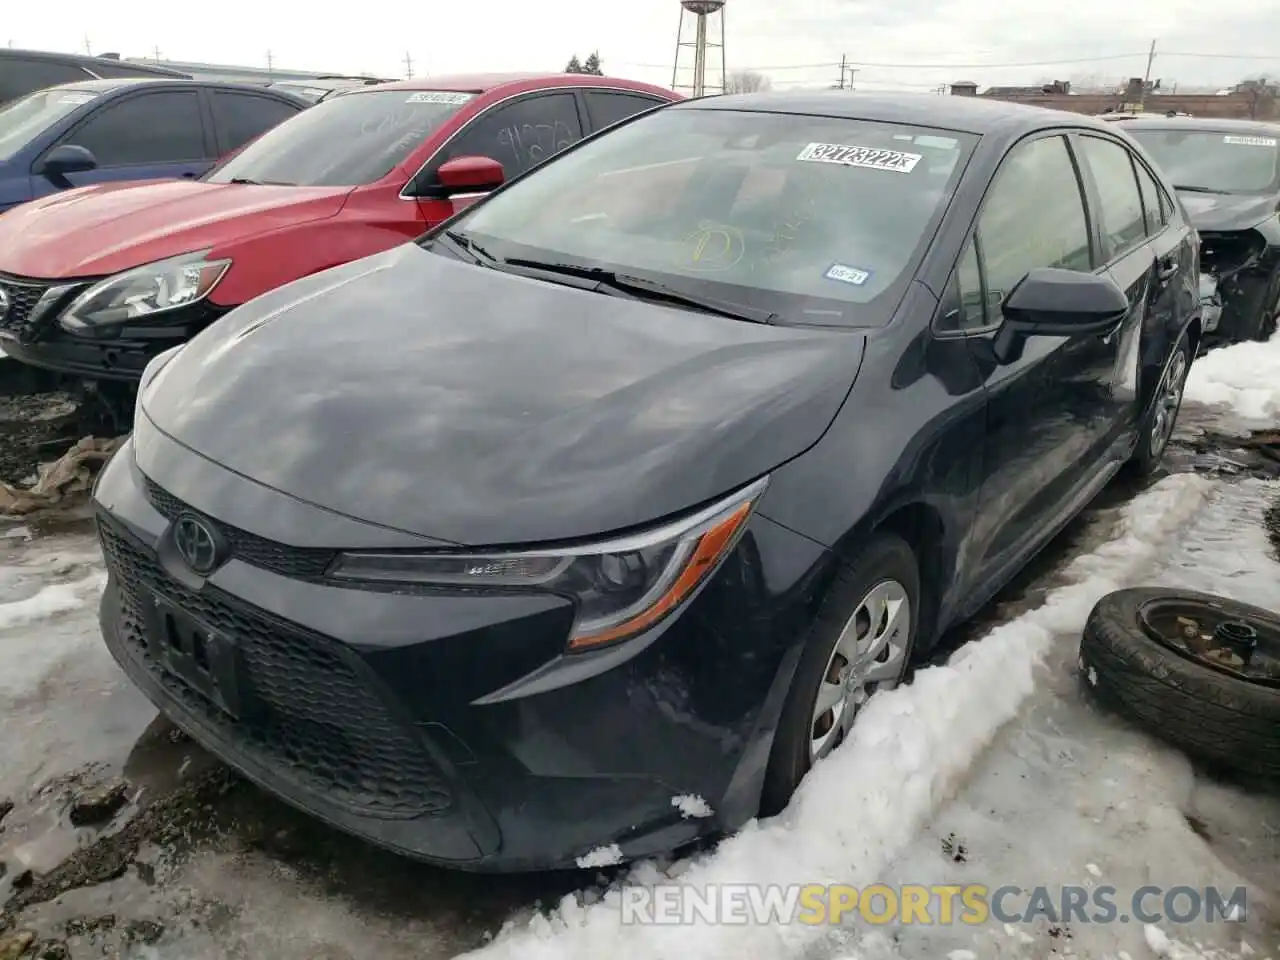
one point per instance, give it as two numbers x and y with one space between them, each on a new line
310 708
23 297
305 563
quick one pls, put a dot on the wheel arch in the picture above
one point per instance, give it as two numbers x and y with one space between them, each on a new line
923 528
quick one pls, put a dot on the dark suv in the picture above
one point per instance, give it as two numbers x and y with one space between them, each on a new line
26 71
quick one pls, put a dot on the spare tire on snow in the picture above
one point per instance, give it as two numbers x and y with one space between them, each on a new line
1199 671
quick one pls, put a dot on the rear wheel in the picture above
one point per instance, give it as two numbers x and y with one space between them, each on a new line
861 642
1157 426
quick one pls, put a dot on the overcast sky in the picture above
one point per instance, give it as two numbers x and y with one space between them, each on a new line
636 38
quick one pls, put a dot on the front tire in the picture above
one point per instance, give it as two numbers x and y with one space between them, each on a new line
861 642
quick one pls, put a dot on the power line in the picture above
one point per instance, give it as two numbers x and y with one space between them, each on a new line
990 65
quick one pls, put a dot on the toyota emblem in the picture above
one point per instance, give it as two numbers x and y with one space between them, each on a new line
197 544
4 303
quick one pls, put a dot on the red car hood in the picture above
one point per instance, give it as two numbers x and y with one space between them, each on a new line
99 230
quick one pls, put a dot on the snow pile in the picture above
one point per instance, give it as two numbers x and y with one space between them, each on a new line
1244 377
908 752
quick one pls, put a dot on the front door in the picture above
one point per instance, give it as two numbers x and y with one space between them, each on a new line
519 134
1050 409
139 137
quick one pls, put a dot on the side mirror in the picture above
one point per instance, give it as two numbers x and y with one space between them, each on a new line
64 159
470 175
1050 302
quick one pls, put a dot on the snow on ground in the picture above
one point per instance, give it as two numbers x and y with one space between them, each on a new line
1241 378
1067 788
991 768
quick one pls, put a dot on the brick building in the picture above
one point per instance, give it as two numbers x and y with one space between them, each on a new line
1252 100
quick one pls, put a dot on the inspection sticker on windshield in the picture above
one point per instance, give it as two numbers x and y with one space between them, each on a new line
76 98
851 156
438 97
847 274
1251 141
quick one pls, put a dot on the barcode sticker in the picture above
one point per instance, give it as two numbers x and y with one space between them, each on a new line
1251 141
872 158
438 97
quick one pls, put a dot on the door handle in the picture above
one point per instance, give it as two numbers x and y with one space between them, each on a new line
1166 267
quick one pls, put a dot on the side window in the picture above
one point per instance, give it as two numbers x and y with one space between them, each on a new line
150 128
1120 204
1033 217
20 76
242 116
1152 208
966 309
521 134
607 108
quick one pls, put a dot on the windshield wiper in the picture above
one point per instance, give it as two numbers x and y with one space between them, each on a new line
259 183
651 289
477 253
1194 189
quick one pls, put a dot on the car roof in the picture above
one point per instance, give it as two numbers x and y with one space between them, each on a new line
1210 124
83 60
976 115
487 82
118 83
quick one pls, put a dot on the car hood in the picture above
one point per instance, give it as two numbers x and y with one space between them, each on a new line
464 404
103 229
1210 211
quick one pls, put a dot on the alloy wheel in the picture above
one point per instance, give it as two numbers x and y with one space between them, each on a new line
1168 401
869 655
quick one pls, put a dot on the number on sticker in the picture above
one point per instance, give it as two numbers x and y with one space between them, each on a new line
872 158
1251 141
438 98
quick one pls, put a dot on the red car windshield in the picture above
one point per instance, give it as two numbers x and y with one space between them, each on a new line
343 141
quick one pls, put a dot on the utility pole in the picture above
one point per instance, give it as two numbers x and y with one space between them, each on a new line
271 62
1146 79
87 48
156 52
842 70
408 65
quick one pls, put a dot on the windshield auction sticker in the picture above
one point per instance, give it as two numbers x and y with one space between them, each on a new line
438 97
1251 141
852 156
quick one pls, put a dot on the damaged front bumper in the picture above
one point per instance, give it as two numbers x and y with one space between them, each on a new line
1210 303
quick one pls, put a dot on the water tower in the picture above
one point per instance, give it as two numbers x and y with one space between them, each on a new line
700 11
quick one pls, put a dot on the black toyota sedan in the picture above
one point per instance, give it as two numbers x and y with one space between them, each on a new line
632 482
1227 174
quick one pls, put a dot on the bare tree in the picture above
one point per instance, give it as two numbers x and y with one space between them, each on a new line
746 81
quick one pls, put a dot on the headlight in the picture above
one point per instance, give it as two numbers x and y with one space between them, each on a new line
145 291
622 587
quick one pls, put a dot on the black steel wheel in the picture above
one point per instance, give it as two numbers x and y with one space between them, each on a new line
1197 670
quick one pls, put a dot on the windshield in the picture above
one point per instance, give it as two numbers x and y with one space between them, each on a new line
1226 162
809 218
343 141
23 119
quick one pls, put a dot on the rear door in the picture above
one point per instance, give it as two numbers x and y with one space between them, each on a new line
1144 257
143 135
241 117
